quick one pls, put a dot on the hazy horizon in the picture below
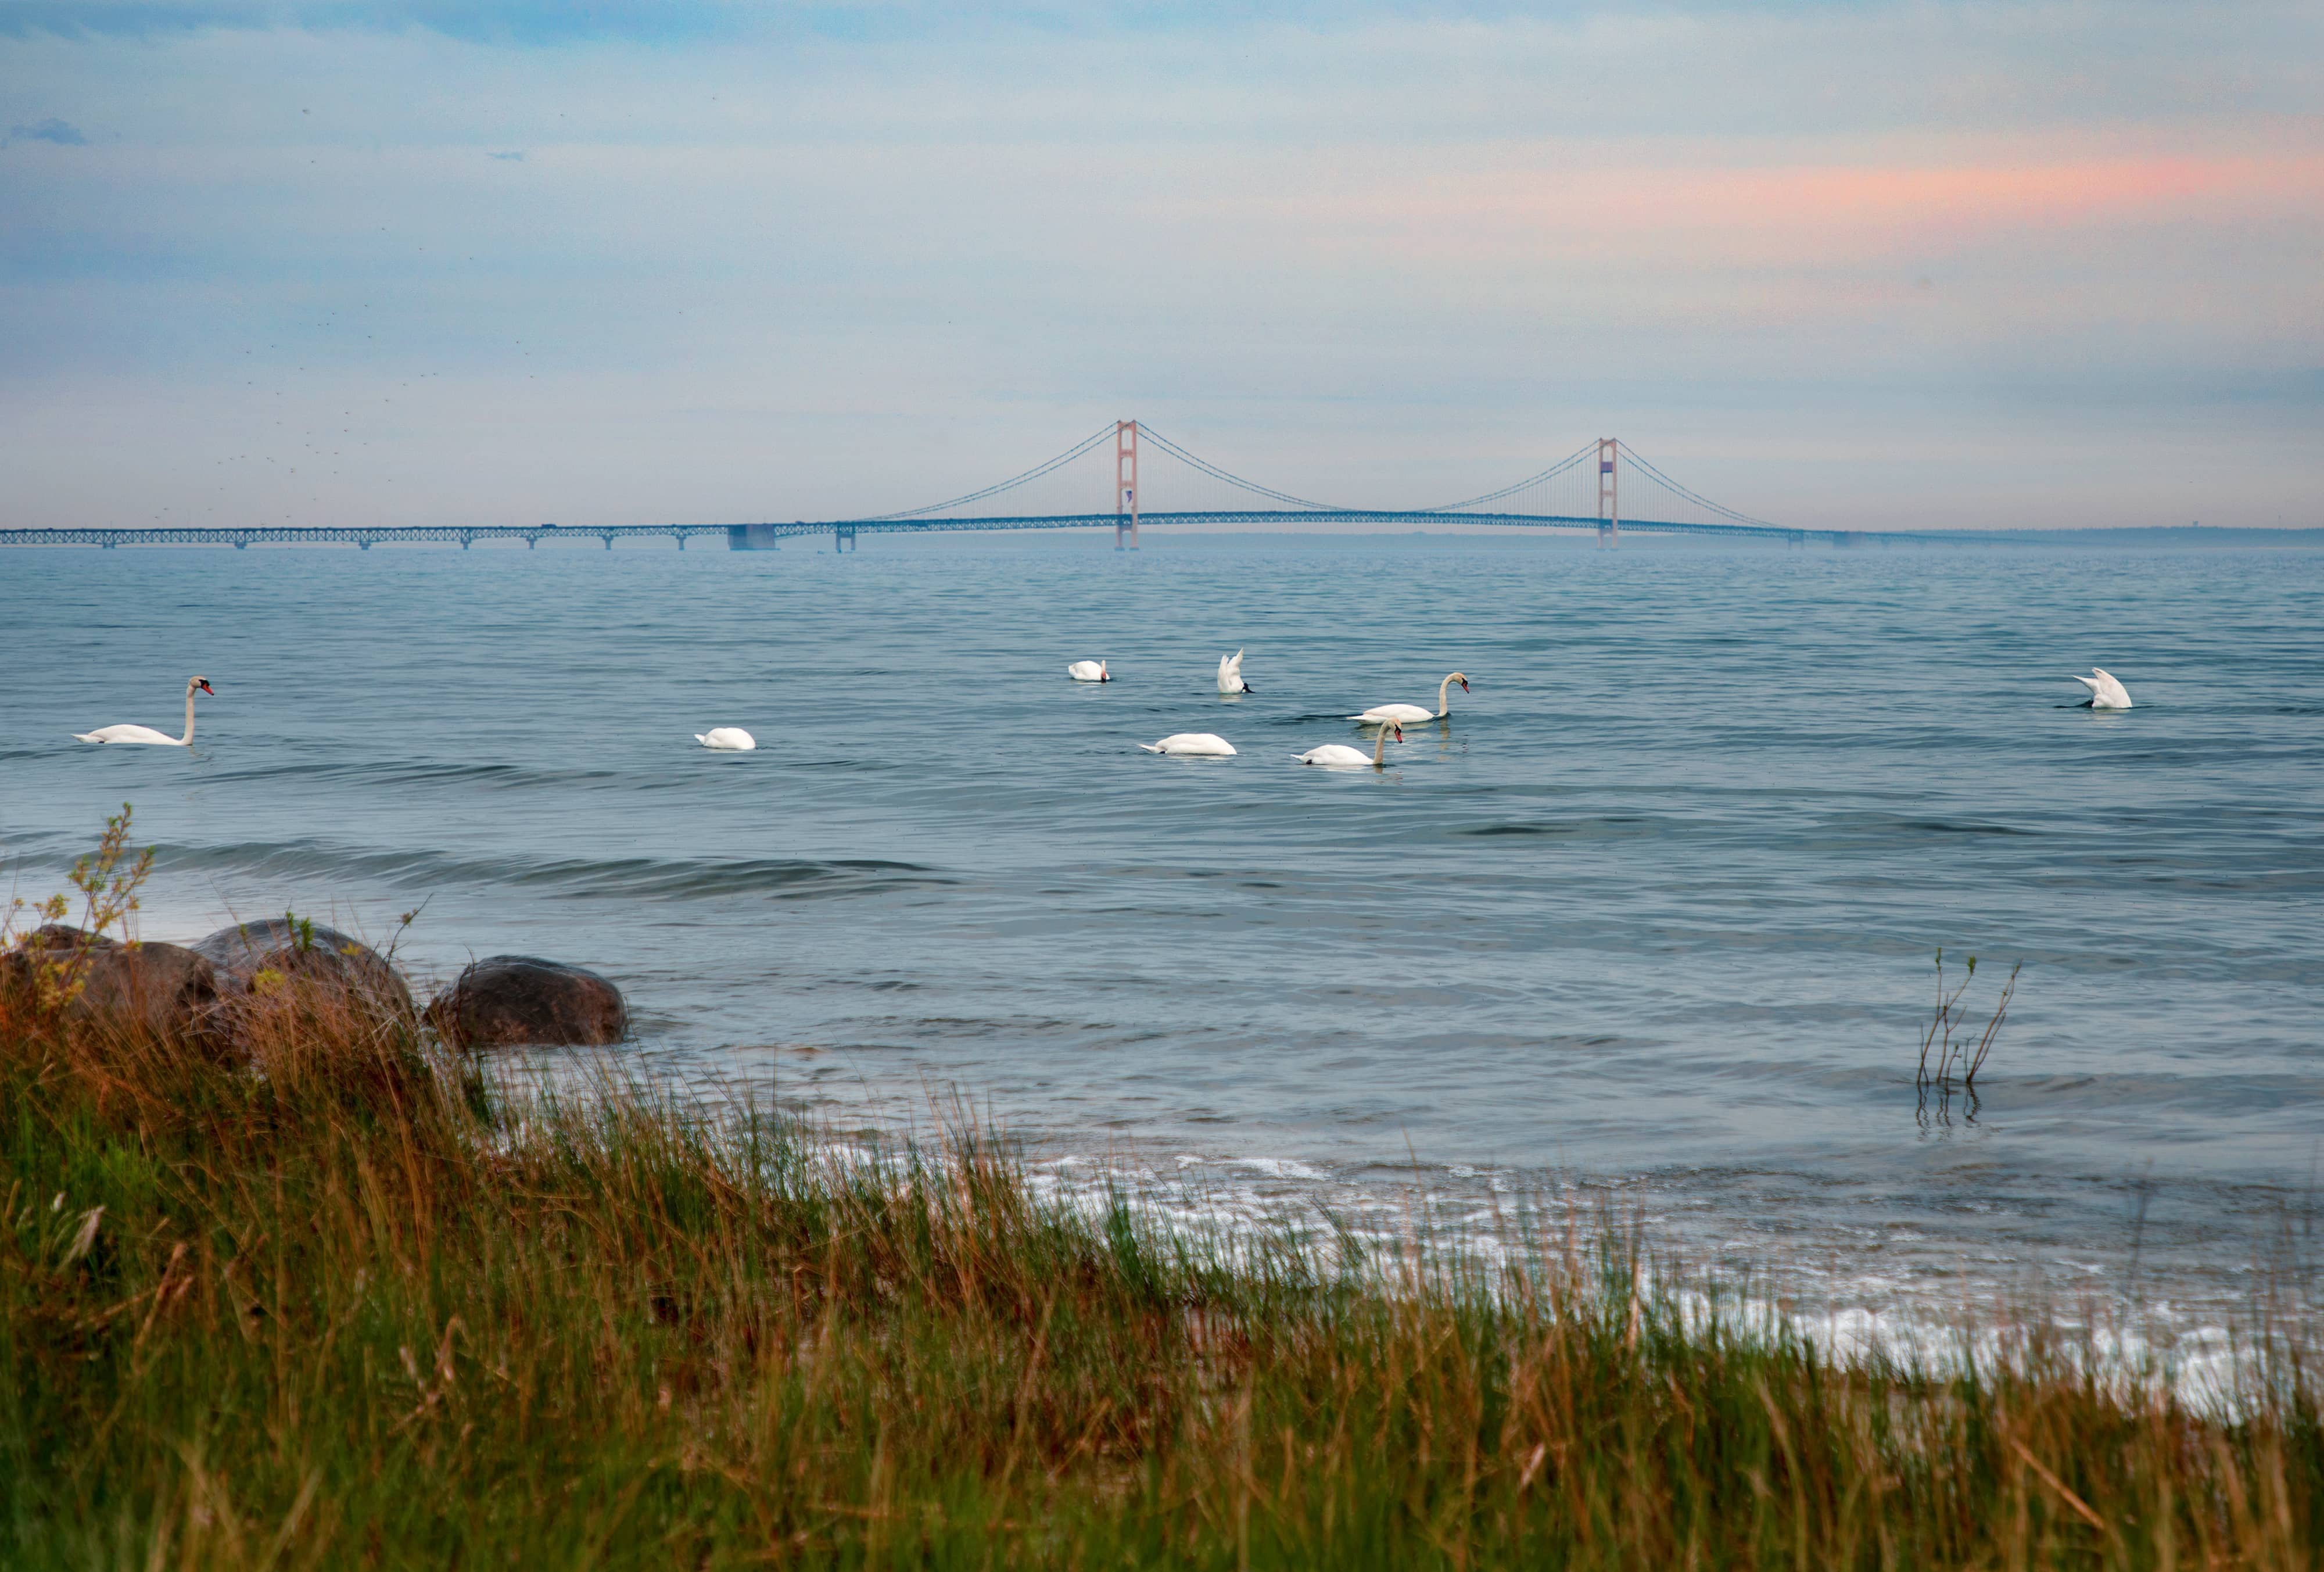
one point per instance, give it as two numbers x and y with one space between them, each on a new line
1928 265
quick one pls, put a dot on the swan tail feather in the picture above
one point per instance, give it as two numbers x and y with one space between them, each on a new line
1151 747
2089 683
87 737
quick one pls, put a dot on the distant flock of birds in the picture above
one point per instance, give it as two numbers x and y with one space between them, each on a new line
1390 718
2106 693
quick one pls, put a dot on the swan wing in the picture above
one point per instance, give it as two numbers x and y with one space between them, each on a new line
126 734
1203 744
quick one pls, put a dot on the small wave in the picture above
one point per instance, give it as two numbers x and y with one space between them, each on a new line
1596 824
1946 827
579 878
414 774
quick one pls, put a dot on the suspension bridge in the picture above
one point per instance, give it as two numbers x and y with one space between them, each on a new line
1145 480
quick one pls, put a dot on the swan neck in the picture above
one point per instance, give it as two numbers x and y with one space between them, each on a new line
1444 698
188 740
1380 748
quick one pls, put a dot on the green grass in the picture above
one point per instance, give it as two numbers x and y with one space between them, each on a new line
324 1301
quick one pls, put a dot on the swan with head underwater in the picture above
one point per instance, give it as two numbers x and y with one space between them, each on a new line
1412 714
1089 672
1192 745
1230 675
727 739
2106 693
1340 756
146 733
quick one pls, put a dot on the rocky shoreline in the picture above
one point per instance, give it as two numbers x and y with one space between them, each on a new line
203 991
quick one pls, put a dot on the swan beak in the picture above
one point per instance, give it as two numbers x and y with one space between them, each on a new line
205 688
1464 685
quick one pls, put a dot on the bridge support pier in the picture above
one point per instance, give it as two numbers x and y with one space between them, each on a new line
681 540
842 539
1609 491
1125 481
609 542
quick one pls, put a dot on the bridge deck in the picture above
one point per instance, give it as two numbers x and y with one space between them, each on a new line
365 537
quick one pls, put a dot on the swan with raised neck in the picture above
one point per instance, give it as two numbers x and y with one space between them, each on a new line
1412 714
146 733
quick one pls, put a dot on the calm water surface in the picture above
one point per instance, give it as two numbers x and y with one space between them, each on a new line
1652 914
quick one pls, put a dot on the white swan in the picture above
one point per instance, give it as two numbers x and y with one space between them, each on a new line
1230 675
146 733
1412 714
1338 755
727 739
1192 745
2106 693
1088 671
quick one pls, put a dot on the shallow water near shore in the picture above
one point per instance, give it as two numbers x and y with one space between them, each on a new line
1649 917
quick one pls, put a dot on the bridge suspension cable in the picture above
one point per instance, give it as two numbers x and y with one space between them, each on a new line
1216 473
1038 470
1721 509
1555 470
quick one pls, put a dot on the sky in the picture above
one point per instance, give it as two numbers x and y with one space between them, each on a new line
1862 266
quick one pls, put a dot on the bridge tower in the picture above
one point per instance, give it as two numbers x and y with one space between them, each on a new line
1610 493
1125 481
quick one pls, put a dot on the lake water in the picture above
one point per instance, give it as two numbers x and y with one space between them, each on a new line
1650 916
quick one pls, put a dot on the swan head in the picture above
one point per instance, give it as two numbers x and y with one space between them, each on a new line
1463 681
202 683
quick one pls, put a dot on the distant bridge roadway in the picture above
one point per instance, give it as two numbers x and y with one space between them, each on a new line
745 536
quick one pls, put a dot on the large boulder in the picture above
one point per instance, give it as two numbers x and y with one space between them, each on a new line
163 989
258 958
502 1001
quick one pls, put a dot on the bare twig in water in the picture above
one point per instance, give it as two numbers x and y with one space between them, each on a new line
1963 1056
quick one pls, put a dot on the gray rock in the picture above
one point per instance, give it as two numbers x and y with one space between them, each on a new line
502 1001
164 989
317 956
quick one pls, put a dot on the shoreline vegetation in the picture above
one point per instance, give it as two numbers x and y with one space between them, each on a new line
306 1289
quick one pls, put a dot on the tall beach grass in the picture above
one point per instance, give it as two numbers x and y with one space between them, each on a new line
325 1297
